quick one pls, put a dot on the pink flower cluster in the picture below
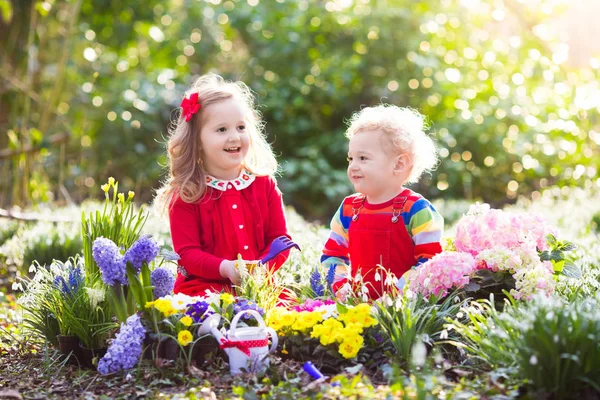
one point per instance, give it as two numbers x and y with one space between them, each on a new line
484 228
496 240
443 272
311 305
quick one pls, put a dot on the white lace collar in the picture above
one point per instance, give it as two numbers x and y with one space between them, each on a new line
241 182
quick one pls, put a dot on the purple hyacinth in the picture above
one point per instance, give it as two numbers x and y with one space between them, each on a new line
125 350
330 275
110 261
245 305
315 283
163 281
199 311
70 285
143 251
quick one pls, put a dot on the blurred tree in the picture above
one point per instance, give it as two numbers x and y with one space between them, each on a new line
510 117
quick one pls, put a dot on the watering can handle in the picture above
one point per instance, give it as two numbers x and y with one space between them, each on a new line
234 321
274 339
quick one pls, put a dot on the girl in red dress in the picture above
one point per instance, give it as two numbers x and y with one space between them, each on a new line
223 199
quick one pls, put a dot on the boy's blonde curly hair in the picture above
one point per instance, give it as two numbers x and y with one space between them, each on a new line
404 129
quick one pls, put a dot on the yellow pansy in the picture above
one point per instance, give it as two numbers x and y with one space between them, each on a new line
184 337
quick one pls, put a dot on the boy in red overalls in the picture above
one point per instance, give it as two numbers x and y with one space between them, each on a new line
385 229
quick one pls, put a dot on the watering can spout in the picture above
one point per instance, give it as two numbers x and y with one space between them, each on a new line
210 325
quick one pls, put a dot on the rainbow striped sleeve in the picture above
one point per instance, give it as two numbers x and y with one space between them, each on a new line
336 250
426 227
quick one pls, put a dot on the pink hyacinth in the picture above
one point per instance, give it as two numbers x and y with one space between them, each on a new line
484 228
445 271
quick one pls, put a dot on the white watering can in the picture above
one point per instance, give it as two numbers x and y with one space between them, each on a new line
246 347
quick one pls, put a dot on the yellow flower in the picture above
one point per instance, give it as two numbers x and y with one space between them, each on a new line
300 323
284 351
318 331
186 321
352 329
367 321
105 187
354 338
149 304
184 337
288 318
165 307
313 318
111 181
348 349
227 299
362 308
130 195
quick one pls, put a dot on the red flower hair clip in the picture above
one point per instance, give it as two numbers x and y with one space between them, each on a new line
190 106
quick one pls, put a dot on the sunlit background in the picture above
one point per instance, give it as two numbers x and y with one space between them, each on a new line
510 89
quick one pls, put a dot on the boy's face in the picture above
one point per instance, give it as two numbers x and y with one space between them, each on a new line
373 171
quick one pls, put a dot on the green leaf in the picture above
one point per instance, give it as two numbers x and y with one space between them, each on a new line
571 270
354 370
551 239
556 255
567 246
342 309
558 266
471 287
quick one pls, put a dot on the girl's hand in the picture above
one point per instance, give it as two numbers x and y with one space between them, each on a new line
228 270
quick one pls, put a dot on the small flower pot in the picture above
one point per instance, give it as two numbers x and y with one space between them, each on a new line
150 351
69 348
168 349
91 357
205 349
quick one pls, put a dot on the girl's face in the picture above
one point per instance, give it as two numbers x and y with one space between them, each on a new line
374 172
224 138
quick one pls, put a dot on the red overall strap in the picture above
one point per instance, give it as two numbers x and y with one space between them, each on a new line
398 207
357 203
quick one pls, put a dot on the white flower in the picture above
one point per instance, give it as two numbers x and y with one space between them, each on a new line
96 296
419 352
388 280
17 286
377 276
329 311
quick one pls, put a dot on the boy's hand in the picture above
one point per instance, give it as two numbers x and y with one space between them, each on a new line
343 293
